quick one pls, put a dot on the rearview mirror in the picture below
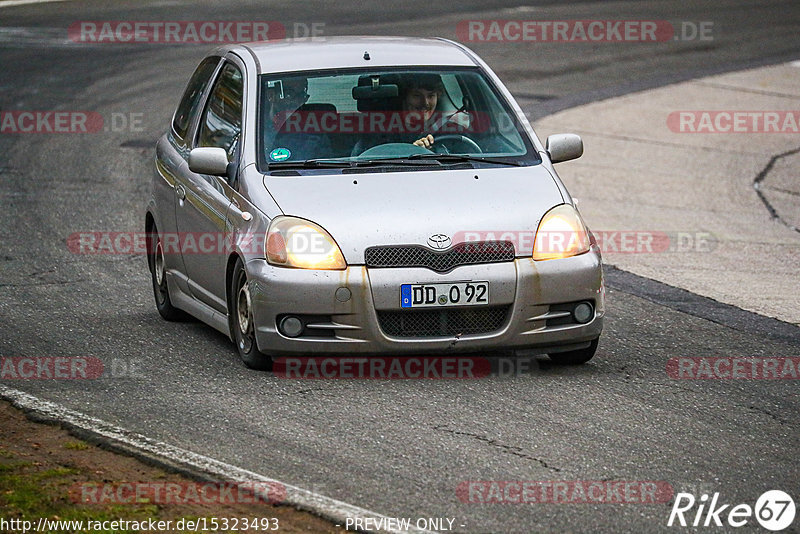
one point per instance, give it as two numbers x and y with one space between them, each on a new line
379 91
564 147
209 160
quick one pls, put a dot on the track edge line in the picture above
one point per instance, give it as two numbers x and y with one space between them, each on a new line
181 461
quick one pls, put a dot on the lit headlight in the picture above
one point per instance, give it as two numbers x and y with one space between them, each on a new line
561 234
295 242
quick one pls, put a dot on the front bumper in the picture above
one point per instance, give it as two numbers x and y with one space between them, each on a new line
528 290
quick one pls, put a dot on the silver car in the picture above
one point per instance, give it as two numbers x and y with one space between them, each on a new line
368 196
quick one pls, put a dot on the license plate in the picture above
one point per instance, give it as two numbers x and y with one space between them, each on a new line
449 294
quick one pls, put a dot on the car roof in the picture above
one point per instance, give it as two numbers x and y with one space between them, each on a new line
346 52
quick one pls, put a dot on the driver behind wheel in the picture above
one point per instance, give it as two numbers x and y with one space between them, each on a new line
420 94
413 116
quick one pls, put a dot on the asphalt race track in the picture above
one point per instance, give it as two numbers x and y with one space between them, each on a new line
397 447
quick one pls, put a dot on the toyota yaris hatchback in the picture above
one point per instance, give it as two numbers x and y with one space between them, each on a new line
368 196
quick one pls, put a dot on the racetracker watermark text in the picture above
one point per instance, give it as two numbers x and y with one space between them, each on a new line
68 122
125 31
583 31
383 122
564 492
178 493
66 368
733 368
481 241
191 31
734 122
401 367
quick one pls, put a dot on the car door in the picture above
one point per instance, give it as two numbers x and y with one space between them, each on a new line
203 200
172 151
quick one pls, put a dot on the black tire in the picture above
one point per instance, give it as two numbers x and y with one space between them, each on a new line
159 278
575 357
240 318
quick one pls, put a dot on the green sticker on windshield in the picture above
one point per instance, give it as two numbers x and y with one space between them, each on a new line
280 154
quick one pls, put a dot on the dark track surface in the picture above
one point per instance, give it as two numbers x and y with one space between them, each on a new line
396 447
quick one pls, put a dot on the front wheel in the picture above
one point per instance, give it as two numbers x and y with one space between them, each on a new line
575 357
241 321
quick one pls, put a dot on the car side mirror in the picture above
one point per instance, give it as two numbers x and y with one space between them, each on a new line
564 147
209 160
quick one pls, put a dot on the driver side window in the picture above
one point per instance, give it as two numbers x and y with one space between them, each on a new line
221 123
191 96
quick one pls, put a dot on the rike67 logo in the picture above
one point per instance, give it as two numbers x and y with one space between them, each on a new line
774 510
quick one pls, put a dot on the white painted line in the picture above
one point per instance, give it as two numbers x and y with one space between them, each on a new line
9 3
325 507
795 63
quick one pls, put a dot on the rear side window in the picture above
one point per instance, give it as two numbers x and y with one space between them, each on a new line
191 97
221 123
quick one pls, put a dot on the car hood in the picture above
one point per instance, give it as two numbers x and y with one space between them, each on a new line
363 210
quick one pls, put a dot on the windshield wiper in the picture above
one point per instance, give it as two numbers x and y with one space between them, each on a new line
309 164
390 161
413 160
346 164
448 158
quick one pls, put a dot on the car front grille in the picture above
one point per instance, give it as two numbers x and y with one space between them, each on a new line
469 253
443 322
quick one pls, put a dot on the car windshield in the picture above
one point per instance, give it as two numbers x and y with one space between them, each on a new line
421 117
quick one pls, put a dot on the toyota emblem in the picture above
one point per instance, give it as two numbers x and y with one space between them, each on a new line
440 241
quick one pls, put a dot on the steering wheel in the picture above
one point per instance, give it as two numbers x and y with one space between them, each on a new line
390 150
457 138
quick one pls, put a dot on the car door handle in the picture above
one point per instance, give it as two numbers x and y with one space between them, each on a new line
181 192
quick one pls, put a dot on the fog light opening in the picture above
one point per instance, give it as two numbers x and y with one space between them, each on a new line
583 312
291 326
343 294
